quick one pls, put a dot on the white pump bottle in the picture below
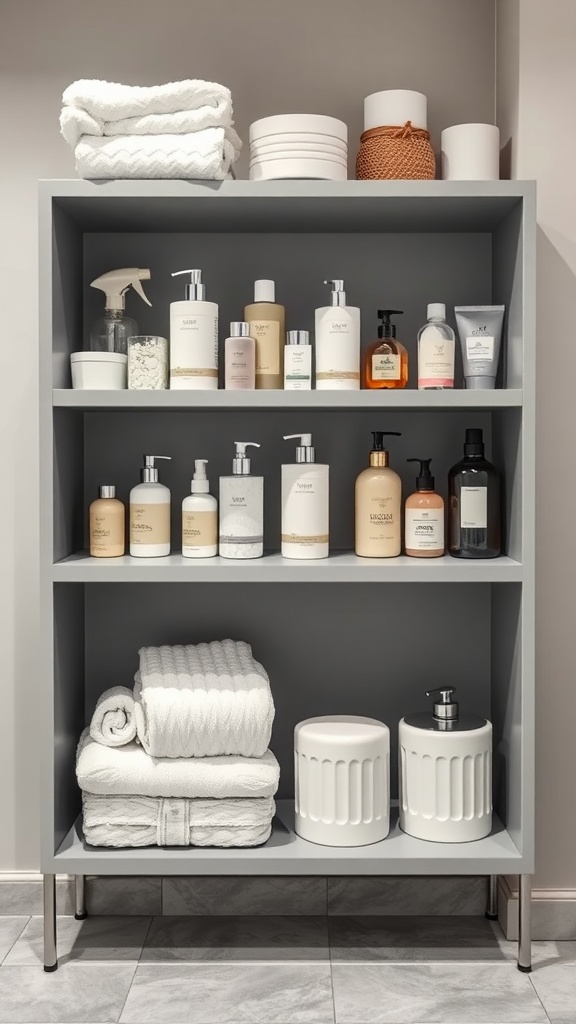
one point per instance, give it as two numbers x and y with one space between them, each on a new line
305 503
337 343
193 338
110 333
200 517
150 513
242 508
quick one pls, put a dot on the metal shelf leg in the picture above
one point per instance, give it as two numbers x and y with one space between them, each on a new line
50 948
525 924
80 900
492 901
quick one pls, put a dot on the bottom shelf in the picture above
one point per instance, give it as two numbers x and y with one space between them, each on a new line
286 854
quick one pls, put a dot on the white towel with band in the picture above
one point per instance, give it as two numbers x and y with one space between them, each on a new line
203 700
122 821
114 721
207 155
129 771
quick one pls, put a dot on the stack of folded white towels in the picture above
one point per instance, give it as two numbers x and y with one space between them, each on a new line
179 130
183 759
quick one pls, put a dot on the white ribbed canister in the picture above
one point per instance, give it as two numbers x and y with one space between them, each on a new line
342 780
445 778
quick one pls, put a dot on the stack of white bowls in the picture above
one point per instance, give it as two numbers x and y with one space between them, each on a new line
298 146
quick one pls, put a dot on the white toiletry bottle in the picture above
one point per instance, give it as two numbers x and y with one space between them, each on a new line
436 348
337 343
297 361
242 508
305 503
193 339
150 513
200 517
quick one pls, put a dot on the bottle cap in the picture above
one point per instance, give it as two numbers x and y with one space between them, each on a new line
436 310
297 337
241 462
480 383
107 491
304 451
195 290
424 480
387 329
200 483
149 475
474 443
264 291
239 329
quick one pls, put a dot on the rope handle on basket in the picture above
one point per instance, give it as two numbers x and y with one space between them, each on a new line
402 131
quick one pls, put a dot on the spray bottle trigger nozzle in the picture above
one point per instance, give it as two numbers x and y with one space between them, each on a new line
138 288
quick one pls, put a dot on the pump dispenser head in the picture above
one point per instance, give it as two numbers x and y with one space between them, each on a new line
149 475
304 451
195 290
379 455
117 282
200 483
424 480
474 443
387 329
445 709
241 462
337 295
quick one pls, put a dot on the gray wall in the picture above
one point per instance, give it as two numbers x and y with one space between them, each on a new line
308 55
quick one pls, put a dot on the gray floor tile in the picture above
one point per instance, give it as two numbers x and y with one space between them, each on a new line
124 895
26 898
10 930
434 994
556 987
94 994
95 939
237 938
389 938
230 994
244 896
419 896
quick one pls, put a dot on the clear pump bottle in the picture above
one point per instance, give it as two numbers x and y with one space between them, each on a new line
150 513
305 503
242 508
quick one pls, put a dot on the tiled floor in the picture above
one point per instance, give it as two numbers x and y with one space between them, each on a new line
281 970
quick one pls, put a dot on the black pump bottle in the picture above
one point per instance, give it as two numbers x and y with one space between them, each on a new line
474 517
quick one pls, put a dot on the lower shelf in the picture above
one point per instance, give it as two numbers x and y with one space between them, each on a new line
286 854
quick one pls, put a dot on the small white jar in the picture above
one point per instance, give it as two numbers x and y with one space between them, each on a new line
471 152
98 371
148 363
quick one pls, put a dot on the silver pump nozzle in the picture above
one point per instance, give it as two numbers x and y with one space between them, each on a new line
241 462
200 483
337 295
445 709
239 329
298 338
195 290
149 474
304 451
107 491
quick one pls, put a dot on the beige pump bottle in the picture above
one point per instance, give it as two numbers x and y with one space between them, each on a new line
107 524
378 505
266 319
424 516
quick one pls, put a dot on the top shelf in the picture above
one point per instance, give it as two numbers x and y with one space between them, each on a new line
291 206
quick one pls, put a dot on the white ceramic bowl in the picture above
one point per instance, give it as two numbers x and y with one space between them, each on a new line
291 137
296 149
298 123
328 170
99 371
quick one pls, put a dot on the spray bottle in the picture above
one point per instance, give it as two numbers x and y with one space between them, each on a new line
110 333
200 517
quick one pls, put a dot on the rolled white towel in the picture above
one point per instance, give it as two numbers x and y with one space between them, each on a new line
114 721
207 155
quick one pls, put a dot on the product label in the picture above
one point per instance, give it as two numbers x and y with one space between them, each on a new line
479 348
435 360
199 529
305 504
474 508
193 346
239 366
106 531
385 366
424 529
297 368
338 348
266 334
301 538
150 524
383 518
241 511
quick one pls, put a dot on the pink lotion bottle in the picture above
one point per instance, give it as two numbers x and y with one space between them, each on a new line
239 358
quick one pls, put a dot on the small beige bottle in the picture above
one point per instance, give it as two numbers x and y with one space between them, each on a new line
266 319
424 517
378 505
107 524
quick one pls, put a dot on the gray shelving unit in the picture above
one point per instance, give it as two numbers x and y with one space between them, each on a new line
355 647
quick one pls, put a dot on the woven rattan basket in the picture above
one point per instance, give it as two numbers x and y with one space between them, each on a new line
395 152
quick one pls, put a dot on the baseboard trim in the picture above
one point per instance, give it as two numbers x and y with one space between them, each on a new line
553 912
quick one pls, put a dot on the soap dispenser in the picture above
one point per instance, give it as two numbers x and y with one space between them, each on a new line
200 517
378 499
445 772
386 360
424 516
337 343
193 338
150 513
242 508
305 515
474 523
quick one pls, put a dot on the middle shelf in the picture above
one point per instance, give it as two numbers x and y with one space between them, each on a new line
340 567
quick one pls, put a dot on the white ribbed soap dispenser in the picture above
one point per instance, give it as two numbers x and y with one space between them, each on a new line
445 773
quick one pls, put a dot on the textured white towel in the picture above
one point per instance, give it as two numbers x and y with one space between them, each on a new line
130 771
114 722
206 155
203 701
110 101
144 821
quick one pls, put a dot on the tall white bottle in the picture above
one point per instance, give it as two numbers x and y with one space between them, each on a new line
150 513
337 343
193 338
200 517
242 508
305 503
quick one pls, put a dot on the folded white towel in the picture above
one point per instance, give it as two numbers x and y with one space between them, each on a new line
208 155
114 722
75 122
130 771
144 821
110 101
203 701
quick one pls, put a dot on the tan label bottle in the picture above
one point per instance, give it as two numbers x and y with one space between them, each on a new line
424 517
266 319
378 506
107 524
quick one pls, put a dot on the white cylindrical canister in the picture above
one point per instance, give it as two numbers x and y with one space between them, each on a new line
471 152
395 106
445 776
342 768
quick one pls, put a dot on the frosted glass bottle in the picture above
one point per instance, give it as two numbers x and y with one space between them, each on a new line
436 348
242 508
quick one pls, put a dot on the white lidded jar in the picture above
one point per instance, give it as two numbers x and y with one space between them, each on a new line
242 508
445 773
193 338
305 503
150 513
200 517
337 333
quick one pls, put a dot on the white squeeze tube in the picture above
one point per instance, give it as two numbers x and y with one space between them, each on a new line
480 330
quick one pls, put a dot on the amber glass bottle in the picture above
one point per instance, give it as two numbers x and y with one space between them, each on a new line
386 360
